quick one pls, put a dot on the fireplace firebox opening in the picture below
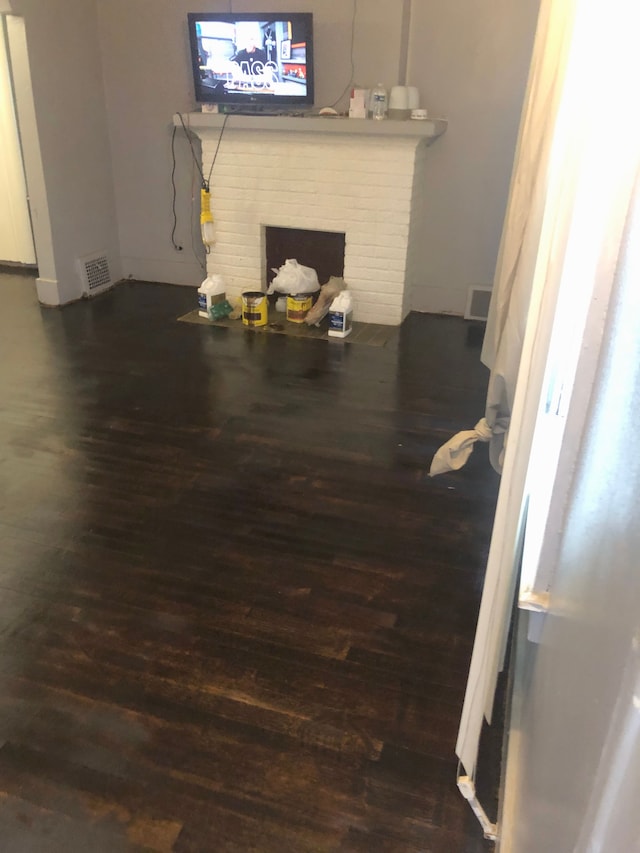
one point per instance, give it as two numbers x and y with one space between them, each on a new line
321 250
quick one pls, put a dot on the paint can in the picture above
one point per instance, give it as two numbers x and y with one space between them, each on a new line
298 307
254 308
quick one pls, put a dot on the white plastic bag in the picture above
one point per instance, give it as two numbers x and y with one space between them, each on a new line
293 278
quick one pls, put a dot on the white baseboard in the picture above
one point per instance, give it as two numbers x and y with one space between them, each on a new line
47 290
438 300
185 270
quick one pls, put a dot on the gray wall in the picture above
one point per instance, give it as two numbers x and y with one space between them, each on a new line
148 79
106 88
470 60
72 126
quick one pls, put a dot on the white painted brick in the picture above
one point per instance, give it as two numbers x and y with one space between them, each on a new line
389 255
375 299
370 280
386 289
381 297
362 188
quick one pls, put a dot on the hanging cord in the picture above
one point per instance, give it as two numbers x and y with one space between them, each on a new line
353 68
194 221
205 182
206 217
193 153
215 153
175 245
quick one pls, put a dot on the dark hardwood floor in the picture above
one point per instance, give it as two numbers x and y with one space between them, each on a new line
235 613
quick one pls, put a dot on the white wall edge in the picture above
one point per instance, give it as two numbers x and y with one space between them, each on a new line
30 138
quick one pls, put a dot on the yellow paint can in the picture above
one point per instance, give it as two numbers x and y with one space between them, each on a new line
255 310
298 307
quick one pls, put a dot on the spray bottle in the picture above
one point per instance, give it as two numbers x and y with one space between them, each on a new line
340 315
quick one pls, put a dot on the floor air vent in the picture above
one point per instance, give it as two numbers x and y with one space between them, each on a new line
478 299
94 272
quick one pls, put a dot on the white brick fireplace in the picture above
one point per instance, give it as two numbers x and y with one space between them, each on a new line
357 177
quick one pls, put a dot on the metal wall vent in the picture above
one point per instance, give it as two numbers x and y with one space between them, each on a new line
478 301
94 272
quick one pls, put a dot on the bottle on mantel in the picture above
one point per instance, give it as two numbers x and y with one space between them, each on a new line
379 102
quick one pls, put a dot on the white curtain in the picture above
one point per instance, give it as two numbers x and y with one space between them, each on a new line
564 214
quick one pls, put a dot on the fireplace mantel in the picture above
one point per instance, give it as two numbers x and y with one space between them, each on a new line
429 129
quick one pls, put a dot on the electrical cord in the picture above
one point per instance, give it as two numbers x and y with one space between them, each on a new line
215 153
194 224
175 245
204 182
353 67
193 153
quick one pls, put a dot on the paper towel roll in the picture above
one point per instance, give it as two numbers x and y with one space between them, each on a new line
413 97
399 98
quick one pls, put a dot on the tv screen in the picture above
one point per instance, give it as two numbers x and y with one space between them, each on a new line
247 59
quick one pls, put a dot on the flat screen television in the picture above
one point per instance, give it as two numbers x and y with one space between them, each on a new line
262 60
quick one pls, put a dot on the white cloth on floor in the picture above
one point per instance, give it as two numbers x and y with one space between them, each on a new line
454 454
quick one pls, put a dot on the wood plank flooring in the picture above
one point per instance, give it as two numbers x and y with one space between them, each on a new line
235 614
